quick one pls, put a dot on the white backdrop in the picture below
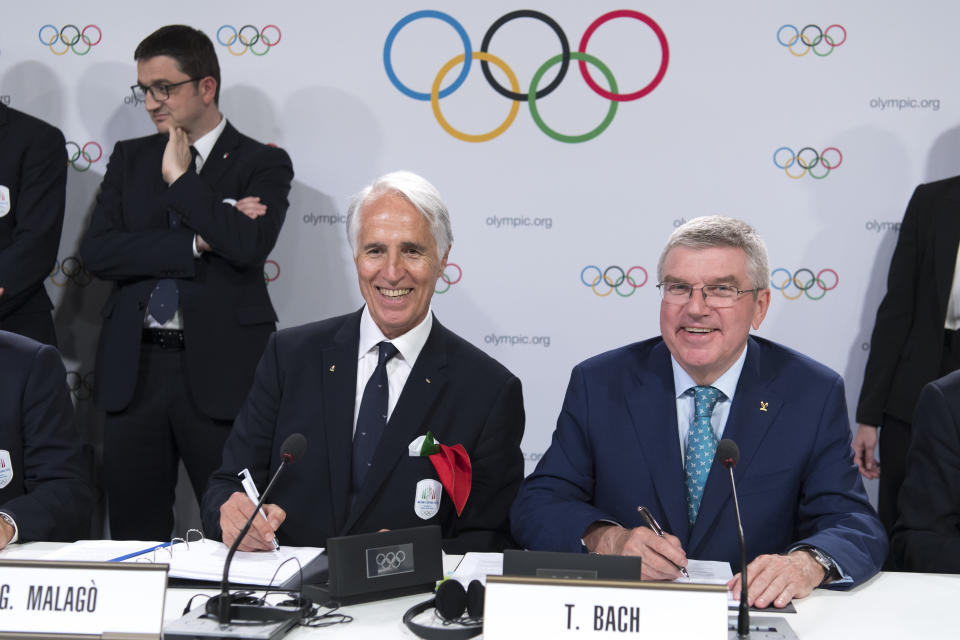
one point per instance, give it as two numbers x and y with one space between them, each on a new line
530 213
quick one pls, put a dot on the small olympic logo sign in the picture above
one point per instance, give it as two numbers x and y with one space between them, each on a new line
390 560
80 385
70 36
810 37
80 158
448 279
534 92
70 269
614 278
271 271
807 159
248 37
804 282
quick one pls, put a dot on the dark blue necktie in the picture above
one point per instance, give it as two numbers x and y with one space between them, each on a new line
372 417
165 297
701 447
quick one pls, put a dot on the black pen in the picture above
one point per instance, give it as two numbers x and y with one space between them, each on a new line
657 529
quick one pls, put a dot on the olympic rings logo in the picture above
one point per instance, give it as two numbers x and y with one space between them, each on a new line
80 158
804 282
70 36
70 269
81 386
614 278
449 280
390 560
248 37
271 271
535 92
807 159
811 36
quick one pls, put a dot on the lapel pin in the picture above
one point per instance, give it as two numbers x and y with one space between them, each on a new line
225 155
763 405
333 367
428 380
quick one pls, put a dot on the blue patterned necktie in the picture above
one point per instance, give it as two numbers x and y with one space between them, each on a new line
372 417
701 447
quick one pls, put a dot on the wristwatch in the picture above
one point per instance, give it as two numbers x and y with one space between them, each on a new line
9 520
825 561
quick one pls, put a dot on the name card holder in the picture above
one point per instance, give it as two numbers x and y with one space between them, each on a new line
518 607
98 600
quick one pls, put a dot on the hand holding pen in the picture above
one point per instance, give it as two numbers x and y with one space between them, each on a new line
657 529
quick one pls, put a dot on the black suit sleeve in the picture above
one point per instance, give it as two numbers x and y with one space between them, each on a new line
927 535
57 501
39 217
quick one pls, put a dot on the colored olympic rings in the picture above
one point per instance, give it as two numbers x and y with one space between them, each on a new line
70 269
534 92
70 36
614 277
81 386
248 37
807 159
271 274
811 36
80 158
447 279
803 280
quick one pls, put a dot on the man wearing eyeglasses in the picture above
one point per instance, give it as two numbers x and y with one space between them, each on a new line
640 425
183 224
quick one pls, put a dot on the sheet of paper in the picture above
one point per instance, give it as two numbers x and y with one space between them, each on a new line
477 566
707 572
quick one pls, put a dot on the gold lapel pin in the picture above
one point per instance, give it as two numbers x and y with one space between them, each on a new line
763 405
333 368
428 380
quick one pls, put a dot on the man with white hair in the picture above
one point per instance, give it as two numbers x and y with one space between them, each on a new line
363 388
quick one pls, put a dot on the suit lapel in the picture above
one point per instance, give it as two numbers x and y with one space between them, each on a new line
424 386
755 408
3 121
653 410
946 239
221 156
339 369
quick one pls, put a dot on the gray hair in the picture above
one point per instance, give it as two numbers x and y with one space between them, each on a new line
720 231
417 191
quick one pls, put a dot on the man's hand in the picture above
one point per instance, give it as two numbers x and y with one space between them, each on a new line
659 555
176 156
251 207
864 445
779 579
202 244
234 513
6 530
1 291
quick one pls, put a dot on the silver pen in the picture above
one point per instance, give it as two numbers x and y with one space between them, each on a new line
657 529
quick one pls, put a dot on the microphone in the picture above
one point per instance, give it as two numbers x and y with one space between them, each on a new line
728 454
292 450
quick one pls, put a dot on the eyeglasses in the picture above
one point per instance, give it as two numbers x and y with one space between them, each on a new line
716 296
159 92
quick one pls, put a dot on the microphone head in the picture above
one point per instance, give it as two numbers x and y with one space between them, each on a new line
293 447
728 453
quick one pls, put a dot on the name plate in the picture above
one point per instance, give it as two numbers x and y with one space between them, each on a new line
83 599
555 608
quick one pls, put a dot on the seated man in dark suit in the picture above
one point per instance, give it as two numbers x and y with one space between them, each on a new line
362 388
44 490
640 425
926 538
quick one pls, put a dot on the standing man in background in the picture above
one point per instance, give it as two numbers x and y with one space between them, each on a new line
33 182
915 338
183 224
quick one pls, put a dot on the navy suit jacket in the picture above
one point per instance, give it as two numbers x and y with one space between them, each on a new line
49 493
227 313
616 446
33 168
306 383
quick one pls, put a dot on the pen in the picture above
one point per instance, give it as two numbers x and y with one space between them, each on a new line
657 529
251 489
140 553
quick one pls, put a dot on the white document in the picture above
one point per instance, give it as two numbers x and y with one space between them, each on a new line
707 572
477 566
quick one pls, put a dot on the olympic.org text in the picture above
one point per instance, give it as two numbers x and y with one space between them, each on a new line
519 221
512 341
314 219
905 103
880 227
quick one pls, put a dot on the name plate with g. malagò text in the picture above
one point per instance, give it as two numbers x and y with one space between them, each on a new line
560 608
82 599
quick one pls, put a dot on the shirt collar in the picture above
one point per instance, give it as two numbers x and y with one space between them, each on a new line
409 344
204 144
726 383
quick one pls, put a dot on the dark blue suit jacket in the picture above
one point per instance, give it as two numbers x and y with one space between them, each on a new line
306 383
616 447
